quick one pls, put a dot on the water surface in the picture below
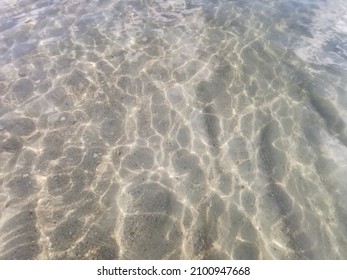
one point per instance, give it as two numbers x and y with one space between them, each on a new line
163 129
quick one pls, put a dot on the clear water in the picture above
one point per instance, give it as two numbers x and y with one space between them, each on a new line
163 129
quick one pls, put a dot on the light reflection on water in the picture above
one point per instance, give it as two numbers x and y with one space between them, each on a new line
173 129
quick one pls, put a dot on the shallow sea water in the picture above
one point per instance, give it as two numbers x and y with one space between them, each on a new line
162 129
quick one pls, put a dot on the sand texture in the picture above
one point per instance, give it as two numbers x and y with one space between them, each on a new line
172 129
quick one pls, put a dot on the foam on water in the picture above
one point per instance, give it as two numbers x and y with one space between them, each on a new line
179 129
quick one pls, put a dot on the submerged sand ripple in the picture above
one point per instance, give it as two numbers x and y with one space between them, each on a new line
172 130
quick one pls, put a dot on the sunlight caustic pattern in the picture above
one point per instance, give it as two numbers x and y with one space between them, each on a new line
162 129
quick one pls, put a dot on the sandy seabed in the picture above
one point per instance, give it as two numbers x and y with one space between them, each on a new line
162 129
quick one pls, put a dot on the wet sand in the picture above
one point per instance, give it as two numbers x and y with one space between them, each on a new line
173 129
